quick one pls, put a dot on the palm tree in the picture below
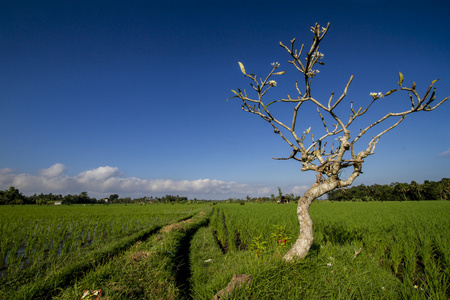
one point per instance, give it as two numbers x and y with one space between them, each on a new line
415 187
402 188
444 188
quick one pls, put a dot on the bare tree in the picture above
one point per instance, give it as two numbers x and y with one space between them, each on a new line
327 162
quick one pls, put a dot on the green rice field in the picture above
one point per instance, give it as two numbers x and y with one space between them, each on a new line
373 250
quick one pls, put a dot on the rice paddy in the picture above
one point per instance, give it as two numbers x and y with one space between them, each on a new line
382 250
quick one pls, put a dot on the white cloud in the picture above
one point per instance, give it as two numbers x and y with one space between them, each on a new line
103 181
99 174
54 171
445 153
6 171
300 190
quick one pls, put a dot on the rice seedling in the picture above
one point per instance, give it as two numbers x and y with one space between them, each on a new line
377 250
150 269
44 237
408 240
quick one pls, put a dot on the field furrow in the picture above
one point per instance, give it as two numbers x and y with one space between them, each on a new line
376 250
48 277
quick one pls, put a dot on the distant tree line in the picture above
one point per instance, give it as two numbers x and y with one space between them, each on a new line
13 196
429 190
114 199
286 198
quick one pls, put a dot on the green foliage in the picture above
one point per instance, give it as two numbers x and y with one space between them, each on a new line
148 270
258 246
375 250
206 259
13 196
280 235
400 78
378 250
58 243
429 190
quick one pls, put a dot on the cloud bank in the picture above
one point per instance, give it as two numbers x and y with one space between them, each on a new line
300 190
445 153
103 181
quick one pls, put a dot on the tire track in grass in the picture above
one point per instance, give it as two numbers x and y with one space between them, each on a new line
49 286
206 260
183 272
158 268
65 276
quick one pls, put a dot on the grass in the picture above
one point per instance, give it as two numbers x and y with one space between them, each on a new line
148 270
379 250
48 277
330 273
34 235
404 250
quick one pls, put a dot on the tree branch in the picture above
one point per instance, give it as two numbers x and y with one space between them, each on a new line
330 163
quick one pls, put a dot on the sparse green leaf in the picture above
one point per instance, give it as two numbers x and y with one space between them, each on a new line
279 73
236 93
264 107
242 67
401 78
390 92
271 103
434 81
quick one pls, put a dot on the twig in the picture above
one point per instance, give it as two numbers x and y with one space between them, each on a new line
357 252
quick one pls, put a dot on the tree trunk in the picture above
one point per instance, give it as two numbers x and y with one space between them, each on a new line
305 239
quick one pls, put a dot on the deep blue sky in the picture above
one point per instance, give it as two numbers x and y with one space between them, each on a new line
129 97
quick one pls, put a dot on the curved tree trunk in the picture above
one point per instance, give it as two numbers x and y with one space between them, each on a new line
306 239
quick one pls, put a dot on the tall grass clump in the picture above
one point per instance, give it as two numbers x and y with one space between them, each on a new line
64 241
403 246
151 269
